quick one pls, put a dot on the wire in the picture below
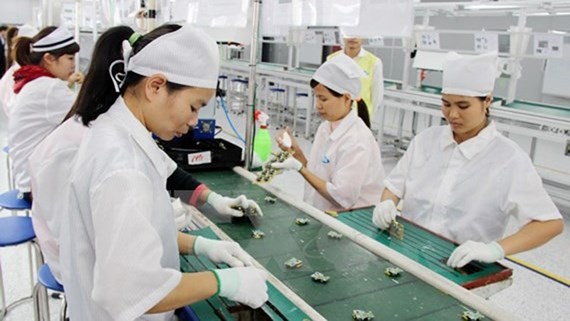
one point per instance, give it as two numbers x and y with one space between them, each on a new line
230 120
220 129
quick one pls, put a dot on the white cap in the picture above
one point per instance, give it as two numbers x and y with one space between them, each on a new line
59 38
472 76
341 74
27 31
187 56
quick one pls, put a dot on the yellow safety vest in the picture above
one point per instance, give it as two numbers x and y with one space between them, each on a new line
367 64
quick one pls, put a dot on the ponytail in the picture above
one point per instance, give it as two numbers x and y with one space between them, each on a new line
25 56
363 112
98 92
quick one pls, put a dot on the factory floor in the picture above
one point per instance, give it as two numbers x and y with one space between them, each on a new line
531 297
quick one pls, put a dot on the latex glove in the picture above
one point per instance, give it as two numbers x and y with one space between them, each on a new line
384 213
226 252
245 285
226 205
285 140
290 163
478 251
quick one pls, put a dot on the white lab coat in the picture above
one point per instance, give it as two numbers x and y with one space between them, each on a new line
39 107
468 191
349 160
50 165
119 253
7 95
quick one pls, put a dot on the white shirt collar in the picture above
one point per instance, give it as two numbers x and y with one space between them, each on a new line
344 125
473 146
121 115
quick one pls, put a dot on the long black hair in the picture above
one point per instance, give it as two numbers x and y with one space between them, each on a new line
98 93
361 105
26 57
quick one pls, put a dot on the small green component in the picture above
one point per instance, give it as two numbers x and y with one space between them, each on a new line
397 230
361 315
301 221
257 234
294 263
270 200
334 235
469 315
319 277
393 271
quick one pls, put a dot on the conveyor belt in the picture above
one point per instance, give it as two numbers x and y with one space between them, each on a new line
426 248
541 109
357 276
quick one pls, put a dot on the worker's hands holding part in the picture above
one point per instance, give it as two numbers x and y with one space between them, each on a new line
478 251
290 163
286 141
75 78
229 206
245 285
226 252
384 213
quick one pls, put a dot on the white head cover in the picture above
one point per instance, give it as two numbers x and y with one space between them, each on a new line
472 76
341 74
187 56
27 31
57 39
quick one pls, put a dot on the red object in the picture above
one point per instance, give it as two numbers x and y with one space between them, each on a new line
29 73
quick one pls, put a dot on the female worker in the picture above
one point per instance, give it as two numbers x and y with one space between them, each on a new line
118 242
43 97
344 169
464 180
53 159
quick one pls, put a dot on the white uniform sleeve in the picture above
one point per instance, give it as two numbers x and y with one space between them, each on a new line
128 276
526 198
378 85
396 180
59 100
349 175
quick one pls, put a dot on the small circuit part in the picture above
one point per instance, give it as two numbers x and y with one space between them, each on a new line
294 263
469 315
268 171
270 200
334 235
250 211
257 234
397 230
319 277
393 271
361 315
301 221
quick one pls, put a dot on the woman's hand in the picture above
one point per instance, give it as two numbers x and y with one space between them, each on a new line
75 78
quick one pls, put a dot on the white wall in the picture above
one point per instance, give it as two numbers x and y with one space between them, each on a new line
17 11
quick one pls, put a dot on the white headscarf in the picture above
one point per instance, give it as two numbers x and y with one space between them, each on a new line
341 74
187 56
57 39
472 76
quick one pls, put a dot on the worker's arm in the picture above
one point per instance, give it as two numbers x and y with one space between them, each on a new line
193 287
388 195
318 184
532 235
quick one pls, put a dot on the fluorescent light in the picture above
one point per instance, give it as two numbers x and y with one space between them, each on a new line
489 7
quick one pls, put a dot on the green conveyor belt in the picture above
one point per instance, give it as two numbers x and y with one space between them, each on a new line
550 110
357 278
425 248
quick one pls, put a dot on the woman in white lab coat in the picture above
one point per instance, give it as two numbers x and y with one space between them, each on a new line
344 169
53 159
464 180
118 241
43 97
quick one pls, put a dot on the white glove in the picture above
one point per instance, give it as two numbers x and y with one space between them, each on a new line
478 251
226 205
290 163
222 252
384 213
245 285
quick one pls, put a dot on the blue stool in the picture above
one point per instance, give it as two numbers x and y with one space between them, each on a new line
13 202
47 281
15 230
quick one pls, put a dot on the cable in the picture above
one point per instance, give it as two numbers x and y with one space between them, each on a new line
230 120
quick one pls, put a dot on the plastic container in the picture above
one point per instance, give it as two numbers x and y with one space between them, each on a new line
262 143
